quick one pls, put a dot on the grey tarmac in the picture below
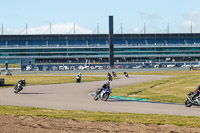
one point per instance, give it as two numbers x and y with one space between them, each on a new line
74 96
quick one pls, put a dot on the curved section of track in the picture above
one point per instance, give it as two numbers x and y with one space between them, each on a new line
74 96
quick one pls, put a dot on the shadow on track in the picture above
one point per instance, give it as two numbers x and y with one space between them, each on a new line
34 93
7 85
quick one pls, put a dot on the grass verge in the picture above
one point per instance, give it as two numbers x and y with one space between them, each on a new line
172 90
47 79
190 121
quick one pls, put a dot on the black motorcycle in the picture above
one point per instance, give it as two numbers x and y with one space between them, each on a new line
109 77
114 74
192 99
78 79
126 74
18 88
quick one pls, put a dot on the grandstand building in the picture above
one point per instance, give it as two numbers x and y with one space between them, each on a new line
71 49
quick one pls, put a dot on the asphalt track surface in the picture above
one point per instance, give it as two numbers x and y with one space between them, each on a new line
74 96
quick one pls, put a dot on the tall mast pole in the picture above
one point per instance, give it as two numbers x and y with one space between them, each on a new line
111 42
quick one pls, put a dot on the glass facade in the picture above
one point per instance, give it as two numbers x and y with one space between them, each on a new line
78 48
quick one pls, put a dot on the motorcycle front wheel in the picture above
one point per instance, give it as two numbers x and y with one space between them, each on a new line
15 90
188 103
105 97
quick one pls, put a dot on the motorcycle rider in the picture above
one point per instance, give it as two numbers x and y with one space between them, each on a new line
126 74
114 74
22 82
78 77
197 92
109 76
105 86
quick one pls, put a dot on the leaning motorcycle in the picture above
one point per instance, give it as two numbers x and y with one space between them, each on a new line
114 74
126 74
18 88
102 94
192 99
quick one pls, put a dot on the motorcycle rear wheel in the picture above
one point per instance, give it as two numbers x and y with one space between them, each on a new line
188 103
95 98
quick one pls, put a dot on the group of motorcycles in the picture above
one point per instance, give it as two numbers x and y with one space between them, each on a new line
193 98
104 94
115 75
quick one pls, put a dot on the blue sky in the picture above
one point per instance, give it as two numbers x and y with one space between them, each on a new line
62 14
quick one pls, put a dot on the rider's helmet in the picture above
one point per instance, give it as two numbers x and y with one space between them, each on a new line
79 73
108 82
24 79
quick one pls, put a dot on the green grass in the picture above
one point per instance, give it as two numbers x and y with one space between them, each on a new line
191 121
171 89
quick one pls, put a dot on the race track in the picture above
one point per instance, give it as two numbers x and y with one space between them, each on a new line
74 96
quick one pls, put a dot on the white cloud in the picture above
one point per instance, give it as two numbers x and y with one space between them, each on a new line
137 30
61 28
149 17
151 21
193 18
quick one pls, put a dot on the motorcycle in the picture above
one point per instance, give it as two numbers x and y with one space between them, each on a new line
126 74
78 79
109 77
18 88
192 99
102 94
114 74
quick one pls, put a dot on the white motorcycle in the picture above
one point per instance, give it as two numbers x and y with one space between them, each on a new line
102 94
